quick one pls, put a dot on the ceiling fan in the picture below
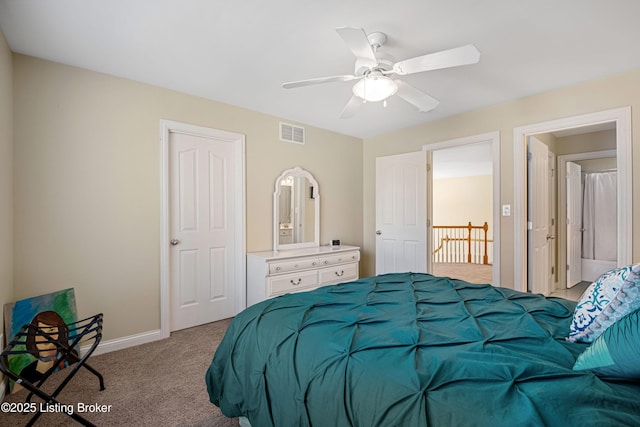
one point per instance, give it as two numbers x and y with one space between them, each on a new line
374 68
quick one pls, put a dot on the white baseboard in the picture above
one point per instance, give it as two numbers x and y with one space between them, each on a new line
125 342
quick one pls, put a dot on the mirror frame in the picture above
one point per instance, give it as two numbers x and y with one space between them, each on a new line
297 172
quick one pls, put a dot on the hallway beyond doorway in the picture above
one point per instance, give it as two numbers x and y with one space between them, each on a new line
473 273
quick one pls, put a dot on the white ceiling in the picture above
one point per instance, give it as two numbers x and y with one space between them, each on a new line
240 52
462 161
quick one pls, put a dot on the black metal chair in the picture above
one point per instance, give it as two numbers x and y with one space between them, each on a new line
86 331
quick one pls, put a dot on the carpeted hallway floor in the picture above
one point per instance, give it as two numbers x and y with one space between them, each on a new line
473 273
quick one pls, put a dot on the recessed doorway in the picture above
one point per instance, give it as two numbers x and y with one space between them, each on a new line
621 119
488 146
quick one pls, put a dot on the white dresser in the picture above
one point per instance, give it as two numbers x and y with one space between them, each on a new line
272 273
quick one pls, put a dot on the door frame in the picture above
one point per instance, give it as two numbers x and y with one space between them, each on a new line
622 118
494 139
238 140
562 199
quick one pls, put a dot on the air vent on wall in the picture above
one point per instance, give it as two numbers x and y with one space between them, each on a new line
291 133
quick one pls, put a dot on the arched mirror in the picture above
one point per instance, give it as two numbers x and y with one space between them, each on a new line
296 210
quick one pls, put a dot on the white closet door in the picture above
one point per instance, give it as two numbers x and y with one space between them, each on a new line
401 213
201 199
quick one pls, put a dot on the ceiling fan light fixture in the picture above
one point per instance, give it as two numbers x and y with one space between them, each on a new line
375 88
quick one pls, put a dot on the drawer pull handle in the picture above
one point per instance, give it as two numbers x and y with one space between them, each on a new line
314 263
278 268
339 274
326 262
295 266
295 283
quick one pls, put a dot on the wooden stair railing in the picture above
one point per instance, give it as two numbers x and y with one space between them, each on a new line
461 243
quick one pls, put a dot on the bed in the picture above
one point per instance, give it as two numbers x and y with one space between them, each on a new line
411 349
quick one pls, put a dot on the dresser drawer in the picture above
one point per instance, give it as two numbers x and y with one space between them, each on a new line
274 273
339 258
338 273
295 265
294 282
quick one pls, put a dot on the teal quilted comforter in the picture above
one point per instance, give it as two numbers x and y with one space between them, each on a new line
411 350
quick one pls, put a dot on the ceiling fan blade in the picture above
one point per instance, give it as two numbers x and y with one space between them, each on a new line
309 82
463 55
351 108
358 42
416 97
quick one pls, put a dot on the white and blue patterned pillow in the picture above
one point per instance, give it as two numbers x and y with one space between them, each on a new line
614 295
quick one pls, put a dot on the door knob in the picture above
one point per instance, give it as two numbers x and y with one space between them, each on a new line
549 237
174 242
378 232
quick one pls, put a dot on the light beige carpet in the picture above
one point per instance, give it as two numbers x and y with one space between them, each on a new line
473 273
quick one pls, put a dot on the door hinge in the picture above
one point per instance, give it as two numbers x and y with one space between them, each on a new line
567 267
529 156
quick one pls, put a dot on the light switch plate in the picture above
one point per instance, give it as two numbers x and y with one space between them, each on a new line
506 210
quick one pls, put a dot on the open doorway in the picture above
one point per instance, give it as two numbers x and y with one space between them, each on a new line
584 240
618 119
599 240
593 176
463 214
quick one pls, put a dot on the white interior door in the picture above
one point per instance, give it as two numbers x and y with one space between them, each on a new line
201 226
401 213
574 224
538 213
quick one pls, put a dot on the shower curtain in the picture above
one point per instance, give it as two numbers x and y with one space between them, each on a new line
599 216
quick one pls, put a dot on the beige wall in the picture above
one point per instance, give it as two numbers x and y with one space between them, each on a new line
456 201
87 185
587 142
612 92
6 177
